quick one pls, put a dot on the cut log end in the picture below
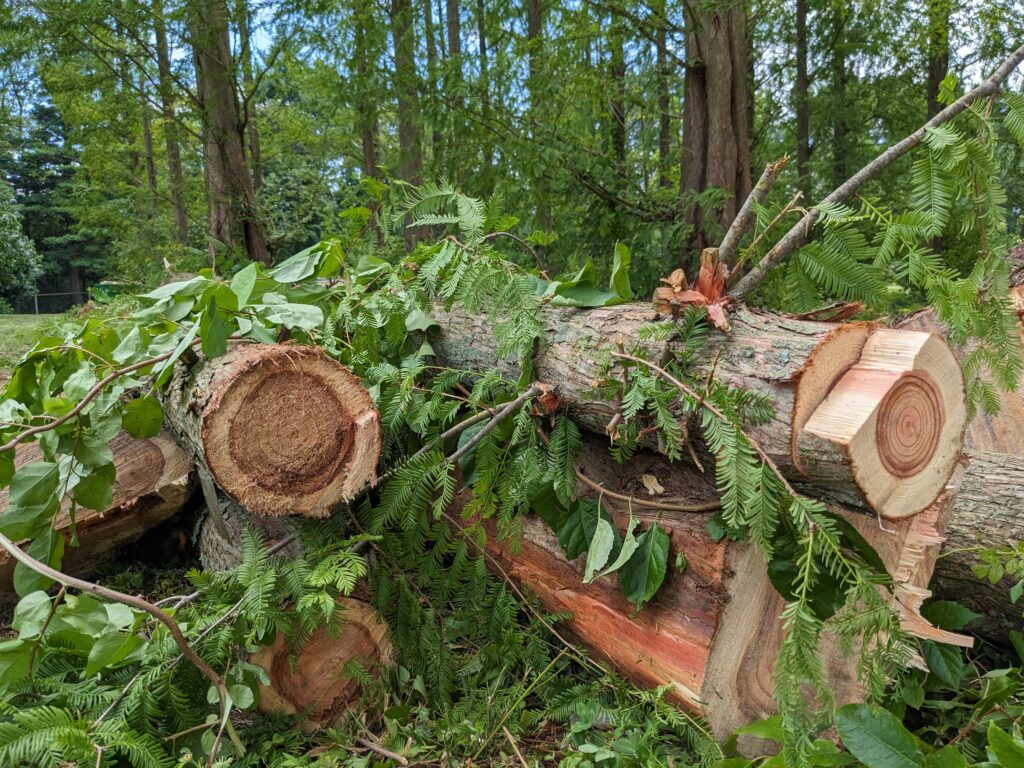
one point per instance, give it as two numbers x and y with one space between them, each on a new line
291 431
318 686
892 427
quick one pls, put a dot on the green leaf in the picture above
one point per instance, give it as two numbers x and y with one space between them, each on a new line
94 492
578 526
600 548
305 316
944 661
242 284
876 738
640 578
214 329
185 343
33 498
241 695
109 649
14 660
31 613
143 417
946 614
619 283
298 267
947 757
6 467
47 547
766 728
418 320
628 547
80 382
1004 749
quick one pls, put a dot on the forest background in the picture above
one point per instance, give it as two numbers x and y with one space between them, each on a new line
141 138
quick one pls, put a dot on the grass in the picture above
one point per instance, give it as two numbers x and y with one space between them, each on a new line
17 334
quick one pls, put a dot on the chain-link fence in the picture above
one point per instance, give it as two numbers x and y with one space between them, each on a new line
48 303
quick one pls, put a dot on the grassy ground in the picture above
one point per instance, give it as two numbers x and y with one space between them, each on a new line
17 333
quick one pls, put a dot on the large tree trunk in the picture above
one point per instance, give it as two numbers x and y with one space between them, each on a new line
366 103
840 76
153 482
410 154
245 56
869 416
284 430
234 219
937 12
535 53
176 177
663 72
716 144
712 632
801 101
485 94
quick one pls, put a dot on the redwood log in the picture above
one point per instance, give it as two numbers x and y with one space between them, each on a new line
313 681
153 482
871 417
284 430
712 632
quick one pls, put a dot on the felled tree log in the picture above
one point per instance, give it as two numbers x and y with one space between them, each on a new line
712 632
283 429
316 683
153 483
870 416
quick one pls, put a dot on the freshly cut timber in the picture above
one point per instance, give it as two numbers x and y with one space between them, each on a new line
871 417
153 483
283 429
315 682
711 632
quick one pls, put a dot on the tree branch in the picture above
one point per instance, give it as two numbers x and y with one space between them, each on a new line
800 233
740 225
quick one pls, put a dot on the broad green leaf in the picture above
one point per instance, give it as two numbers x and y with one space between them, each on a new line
119 615
47 547
31 613
32 500
1004 749
418 320
14 656
643 574
944 661
305 316
131 346
947 757
241 695
578 526
946 614
298 267
111 648
629 546
6 467
84 614
143 417
94 492
599 550
80 382
619 283
215 330
191 287
876 738
242 284
163 372
766 728
93 451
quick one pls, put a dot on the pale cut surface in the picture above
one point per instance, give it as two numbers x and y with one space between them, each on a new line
892 427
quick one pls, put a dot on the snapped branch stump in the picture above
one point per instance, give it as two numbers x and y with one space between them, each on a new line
284 430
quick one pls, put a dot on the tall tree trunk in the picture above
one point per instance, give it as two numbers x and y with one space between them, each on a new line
840 76
366 104
176 178
664 121
534 43
485 90
245 57
716 143
234 220
437 137
938 50
617 72
801 103
147 143
410 153
453 22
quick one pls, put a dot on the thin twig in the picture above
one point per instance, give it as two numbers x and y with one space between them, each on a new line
745 218
515 747
499 417
697 506
786 210
42 632
381 750
800 233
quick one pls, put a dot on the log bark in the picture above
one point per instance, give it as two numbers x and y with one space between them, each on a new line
712 632
152 485
284 430
870 417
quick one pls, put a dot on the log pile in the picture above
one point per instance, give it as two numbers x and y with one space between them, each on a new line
870 418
